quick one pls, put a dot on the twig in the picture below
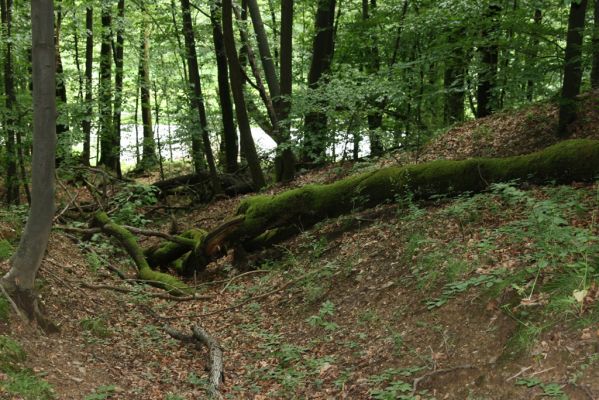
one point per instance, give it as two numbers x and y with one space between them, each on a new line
240 275
157 295
242 303
541 372
202 337
523 370
437 372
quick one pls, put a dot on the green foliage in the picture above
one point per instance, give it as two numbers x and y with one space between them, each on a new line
4 309
130 200
11 353
394 388
553 390
327 309
96 327
27 386
102 393
6 250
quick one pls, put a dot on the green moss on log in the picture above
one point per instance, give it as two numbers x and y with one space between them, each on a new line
168 252
145 273
573 160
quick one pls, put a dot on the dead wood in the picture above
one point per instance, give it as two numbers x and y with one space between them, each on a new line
202 338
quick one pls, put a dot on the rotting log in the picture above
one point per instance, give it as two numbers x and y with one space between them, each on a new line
167 252
128 241
232 184
572 160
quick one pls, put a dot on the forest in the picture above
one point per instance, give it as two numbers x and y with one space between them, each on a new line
256 199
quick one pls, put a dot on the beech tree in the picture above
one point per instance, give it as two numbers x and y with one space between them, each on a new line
19 281
572 66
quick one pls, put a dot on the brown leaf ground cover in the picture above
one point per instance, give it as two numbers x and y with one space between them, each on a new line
404 301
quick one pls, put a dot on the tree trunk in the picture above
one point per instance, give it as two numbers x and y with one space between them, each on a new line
489 51
89 60
286 169
63 152
224 91
148 159
455 70
532 59
248 147
595 68
28 256
197 100
118 81
315 122
375 117
12 180
109 153
572 67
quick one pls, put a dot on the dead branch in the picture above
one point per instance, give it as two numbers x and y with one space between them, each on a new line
438 372
203 338
156 295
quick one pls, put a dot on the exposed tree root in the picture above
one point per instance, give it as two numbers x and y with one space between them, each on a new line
200 337
156 295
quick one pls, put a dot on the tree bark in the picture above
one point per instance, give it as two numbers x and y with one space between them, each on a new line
375 117
454 82
197 100
315 122
109 152
149 158
248 147
118 81
532 59
489 51
224 91
28 256
572 67
595 55
12 180
89 60
63 152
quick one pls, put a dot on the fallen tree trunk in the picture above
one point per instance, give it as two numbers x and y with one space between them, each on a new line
267 216
232 184
145 273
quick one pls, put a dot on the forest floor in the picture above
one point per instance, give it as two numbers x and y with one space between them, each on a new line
409 300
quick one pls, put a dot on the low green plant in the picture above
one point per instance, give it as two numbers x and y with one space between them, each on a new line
553 390
6 250
96 327
327 309
101 393
4 308
26 386
11 353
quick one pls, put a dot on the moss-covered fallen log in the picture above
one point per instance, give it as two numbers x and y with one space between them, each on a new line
169 251
145 273
573 160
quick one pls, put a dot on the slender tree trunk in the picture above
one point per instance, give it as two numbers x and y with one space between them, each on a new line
595 68
197 100
248 147
572 67
63 152
532 59
12 180
231 147
455 70
148 159
28 256
89 61
315 122
286 169
375 118
108 153
118 82
489 50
